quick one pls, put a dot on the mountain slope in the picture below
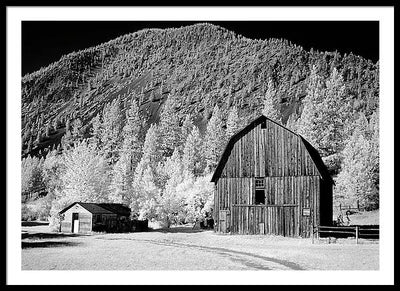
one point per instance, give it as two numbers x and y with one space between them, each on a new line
199 66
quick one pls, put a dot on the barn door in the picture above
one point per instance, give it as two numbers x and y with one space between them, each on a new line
75 222
224 220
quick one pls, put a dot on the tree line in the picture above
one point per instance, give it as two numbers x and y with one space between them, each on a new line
207 72
163 171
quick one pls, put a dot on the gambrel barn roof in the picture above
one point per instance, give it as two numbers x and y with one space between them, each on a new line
316 158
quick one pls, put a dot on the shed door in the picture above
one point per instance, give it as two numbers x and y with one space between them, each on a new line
75 222
224 220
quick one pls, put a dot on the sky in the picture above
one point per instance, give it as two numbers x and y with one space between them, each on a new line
44 42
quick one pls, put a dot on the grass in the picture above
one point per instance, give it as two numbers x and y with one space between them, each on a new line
184 248
359 218
365 218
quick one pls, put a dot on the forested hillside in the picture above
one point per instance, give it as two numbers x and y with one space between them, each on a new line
150 112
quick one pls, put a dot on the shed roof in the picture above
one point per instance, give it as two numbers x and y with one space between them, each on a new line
117 208
323 171
102 208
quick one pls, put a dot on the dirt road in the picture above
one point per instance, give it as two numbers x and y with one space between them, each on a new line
186 249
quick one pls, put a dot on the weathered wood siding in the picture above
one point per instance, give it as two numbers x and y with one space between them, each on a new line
273 151
85 219
292 183
285 198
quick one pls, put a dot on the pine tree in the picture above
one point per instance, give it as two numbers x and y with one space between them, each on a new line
129 157
192 160
121 181
169 127
335 113
131 134
144 180
271 104
29 148
77 134
232 123
214 140
307 125
111 133
144 203
325 113
185 130
55 123
52 170
31 174
359 178
97 131
291 122
38 137
151 155
47 129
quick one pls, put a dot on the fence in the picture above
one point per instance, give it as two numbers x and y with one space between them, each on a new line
365 231
341 207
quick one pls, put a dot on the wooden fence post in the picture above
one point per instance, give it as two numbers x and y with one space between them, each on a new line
356 234
312 233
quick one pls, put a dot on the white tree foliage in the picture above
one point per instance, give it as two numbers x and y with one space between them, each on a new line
169 127
31 174
84 179
192 159
232 122
185 130
144 187
111 128
170 203
199 197
214 140
325 114
359 178
123 170
271 103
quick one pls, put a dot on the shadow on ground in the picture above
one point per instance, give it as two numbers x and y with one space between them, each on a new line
46 244
178 229
46 235
34 223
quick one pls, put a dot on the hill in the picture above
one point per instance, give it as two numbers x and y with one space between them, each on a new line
199 66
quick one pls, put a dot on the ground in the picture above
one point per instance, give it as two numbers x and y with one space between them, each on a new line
365 218
184 248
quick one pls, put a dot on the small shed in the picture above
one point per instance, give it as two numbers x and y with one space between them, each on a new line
80 217
270 180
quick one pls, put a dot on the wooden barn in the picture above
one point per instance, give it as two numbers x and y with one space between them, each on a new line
270 180
82 217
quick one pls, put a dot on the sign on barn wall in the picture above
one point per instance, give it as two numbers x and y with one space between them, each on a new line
306 211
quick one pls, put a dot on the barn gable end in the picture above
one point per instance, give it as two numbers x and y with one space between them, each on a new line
285 148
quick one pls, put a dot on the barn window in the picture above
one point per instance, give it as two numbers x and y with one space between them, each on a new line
98 218
264 124
260 183
260 196
260 192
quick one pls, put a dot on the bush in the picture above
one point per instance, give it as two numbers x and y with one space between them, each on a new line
35 210
26 214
